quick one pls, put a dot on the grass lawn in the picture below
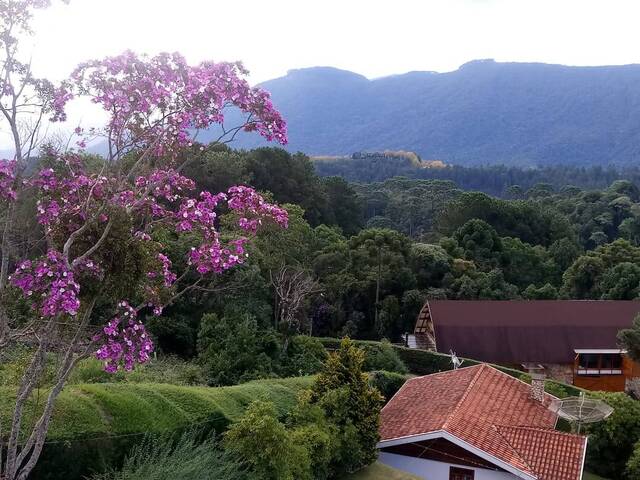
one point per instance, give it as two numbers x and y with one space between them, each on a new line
592 476
377 471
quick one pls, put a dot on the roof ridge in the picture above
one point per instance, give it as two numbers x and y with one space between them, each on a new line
443 372
464 396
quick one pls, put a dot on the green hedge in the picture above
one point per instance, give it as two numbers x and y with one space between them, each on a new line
424 362
94 425
387 383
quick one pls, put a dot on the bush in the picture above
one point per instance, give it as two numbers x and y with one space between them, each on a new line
305 356
421 362
387 383
15 360
171 370
342 390
261 442
611 442
633 465
233 349
382 356
167 458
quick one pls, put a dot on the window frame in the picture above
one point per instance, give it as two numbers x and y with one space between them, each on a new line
614 366
461 471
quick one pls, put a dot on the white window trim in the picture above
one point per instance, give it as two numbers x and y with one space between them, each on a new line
595 371
599 350
461 443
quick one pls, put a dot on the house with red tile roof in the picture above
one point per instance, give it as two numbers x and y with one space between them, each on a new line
574 341
477 423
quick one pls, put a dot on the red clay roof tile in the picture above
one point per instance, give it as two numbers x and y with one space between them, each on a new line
491 411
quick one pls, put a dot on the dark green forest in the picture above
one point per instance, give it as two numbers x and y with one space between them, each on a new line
360 259
505 181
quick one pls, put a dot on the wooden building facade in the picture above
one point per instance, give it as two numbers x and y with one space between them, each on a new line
574 341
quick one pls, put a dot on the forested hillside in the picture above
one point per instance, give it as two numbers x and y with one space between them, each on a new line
484 112
405 240
496 180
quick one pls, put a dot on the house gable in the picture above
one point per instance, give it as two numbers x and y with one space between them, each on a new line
466 453
488 414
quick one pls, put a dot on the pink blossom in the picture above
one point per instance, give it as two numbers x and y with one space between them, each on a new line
139 91
124 340
7 179
49 284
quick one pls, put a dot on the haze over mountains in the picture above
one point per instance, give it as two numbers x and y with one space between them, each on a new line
484 112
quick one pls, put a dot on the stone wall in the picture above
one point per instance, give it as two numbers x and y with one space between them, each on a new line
561 372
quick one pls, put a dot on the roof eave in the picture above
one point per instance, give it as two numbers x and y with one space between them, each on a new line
461 443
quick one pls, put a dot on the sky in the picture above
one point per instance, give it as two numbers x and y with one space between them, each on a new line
374 38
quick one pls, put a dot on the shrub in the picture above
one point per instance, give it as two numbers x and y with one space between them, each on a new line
387 383
91 370
633 465
342 390
233 349
305 356
421 362
166 458
312 428
611 442
556 389
261 442
171 370
382 356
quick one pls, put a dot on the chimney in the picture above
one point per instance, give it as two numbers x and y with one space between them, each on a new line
537 385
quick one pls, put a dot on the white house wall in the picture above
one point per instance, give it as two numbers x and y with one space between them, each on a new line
433 470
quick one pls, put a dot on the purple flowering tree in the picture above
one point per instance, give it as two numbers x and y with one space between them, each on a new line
100 258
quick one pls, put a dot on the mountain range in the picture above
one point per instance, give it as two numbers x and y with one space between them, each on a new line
485 112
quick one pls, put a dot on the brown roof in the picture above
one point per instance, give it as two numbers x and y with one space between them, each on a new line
493 412
518 331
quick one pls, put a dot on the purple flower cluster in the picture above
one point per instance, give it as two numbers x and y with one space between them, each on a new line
7 179
125 341
248 201
167 184
50 285
154 103
212 256
159 100
199 214
67 197
168 277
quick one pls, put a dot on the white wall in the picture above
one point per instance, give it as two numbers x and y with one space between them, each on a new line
432 470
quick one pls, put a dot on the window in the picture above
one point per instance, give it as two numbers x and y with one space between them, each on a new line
589 360
456 473
599 364
611 361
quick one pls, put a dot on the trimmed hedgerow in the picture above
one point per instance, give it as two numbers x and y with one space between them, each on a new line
420 362
424 362
387 383
95 425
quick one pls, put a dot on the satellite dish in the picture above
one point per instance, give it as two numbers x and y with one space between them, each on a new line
456 362
580 410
